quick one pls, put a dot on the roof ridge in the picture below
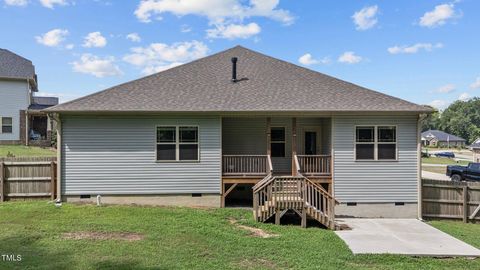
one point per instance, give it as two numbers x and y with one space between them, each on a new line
7 50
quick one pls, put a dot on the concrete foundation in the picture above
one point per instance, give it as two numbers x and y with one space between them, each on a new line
377 210
206 200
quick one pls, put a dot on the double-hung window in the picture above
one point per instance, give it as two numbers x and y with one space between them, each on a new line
277 141
376 143
7 124
177 143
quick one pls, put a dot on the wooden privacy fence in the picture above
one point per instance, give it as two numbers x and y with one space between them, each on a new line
447 199
27 177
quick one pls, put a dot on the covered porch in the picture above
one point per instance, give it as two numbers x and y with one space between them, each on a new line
255 148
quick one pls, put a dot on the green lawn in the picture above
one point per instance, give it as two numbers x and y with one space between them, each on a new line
184 238
447 161
26 151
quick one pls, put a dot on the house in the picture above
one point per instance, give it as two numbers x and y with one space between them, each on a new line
475 146
21 118
437 138
205 132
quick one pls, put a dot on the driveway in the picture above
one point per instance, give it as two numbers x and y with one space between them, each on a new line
402 236
434 176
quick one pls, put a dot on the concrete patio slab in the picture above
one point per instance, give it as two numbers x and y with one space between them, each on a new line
402 236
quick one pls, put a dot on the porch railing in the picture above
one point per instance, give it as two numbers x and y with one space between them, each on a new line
314 165
246 165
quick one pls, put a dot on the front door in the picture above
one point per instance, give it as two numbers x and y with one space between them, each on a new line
310 143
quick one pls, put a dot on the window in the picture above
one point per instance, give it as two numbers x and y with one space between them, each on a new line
376 143
177 143
277 141
365 143
7 124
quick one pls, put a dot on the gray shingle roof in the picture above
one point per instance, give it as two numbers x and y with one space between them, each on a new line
475 145
15 66
441 136
40 103
271 85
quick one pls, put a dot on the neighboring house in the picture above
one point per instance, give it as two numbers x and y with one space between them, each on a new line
475 146
437 138
201 132
21 119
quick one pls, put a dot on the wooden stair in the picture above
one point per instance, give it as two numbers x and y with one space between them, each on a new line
275 195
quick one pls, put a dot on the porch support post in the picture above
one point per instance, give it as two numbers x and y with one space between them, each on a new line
294 145
269 138
27 124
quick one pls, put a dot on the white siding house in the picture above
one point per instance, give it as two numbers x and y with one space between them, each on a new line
14 97
21 118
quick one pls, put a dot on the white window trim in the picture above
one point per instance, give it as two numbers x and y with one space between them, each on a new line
177 144
375 143
1 125
284 140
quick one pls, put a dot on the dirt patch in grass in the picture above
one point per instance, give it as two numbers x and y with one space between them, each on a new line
255 232
126 236
256 263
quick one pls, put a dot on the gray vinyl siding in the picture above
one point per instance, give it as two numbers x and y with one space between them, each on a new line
117 155
14 97
375 181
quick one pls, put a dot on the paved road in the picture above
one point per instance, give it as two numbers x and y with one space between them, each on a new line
434 176
464 155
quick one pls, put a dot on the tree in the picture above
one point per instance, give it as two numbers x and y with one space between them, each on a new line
432 121
462 118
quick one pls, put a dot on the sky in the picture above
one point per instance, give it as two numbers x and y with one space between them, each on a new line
426 52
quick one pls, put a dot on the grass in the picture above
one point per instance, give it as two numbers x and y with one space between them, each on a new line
185 238
435 169
446 161
26 151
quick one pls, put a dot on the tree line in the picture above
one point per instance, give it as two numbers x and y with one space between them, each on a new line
461 118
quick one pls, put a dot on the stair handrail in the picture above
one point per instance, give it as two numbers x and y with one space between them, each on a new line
265 180
299 173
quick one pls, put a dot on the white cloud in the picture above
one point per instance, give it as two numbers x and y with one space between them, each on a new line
445 89
233 31
439 104
414 48
307 60
134 37
52 38
18 3
439 15
155 69
475 84
349 58
159 56
94 39
464 97
69 46
96 66
216 11
51 3
365 18
185 28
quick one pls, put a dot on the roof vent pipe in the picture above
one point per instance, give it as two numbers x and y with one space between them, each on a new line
234 69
